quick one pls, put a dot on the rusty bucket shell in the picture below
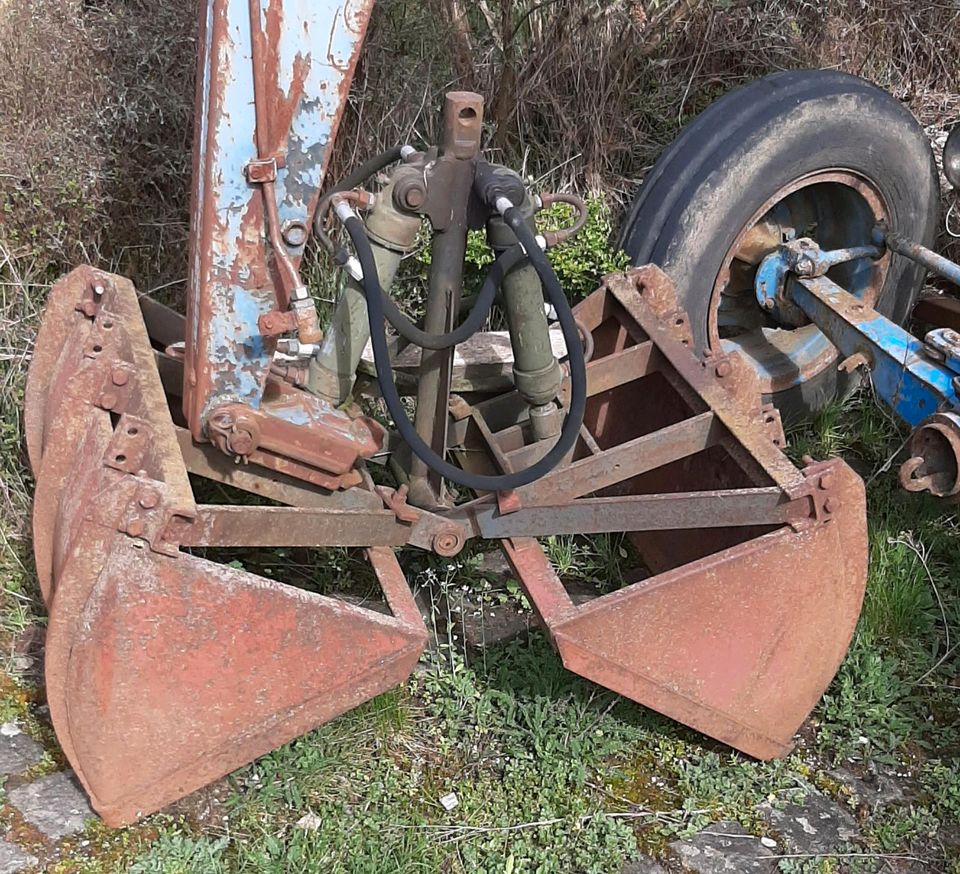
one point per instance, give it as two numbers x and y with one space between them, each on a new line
735 630
166 670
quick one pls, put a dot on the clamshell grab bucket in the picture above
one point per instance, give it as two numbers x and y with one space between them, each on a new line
751 572
165 670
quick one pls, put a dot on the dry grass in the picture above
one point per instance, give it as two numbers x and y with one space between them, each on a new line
96 100
600 87
97 96
95 147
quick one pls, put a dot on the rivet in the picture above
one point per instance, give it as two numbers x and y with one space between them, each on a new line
148 500
722 369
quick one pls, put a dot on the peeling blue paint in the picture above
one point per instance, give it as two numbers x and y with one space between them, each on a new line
294 415
319 39
905 378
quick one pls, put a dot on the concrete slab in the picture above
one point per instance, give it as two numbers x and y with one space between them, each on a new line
55 805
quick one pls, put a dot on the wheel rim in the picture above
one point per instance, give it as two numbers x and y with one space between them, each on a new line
837 208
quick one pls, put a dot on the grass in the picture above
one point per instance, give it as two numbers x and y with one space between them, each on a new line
554 774
551 773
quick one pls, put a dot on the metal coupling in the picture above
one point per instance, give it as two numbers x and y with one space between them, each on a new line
308 322
934 462
295 348
233 430
546 421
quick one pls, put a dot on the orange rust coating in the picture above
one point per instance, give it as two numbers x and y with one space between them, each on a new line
739 645
164 674
60 319
165 671
300 63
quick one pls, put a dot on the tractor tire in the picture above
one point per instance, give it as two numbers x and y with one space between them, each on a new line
815 153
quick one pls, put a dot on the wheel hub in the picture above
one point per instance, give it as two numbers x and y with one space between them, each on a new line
837 209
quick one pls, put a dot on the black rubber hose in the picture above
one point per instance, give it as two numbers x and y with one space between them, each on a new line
381 360
348 183
367 169
474 320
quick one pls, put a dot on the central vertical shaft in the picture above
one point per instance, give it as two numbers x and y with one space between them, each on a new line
459 148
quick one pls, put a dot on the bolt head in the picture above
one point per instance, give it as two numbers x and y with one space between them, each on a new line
242 442
135 527
831 505
415 198
828 481
108 400
447 543
723 369
119 377
149 500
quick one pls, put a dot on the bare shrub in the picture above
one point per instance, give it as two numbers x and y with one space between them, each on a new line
97 96
96 100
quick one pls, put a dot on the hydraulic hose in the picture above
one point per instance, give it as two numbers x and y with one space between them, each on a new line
368 168
354 180
474 320
381 359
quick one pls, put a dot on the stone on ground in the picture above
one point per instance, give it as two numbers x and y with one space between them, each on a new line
55 805
874 790
13 859
17 753
817 824
724 848
644 865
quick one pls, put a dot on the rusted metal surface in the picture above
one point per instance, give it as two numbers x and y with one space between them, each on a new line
62 315
938 309
237 525
164 670
721 508
921 254
756 585
297 426
788 357
619 463
729 387
204 460
739 645
451 180
297 59
164 674
933 464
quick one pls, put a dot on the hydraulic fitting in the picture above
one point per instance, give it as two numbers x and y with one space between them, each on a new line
392 234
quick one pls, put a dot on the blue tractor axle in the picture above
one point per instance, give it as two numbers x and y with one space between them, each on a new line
918 379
